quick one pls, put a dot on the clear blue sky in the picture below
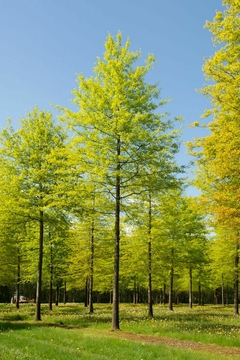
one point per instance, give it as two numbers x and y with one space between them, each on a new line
45 43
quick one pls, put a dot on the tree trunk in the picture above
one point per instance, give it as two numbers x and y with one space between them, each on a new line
91 271
18 280
170 299
223 291
50 294
161 296
199 292
215 295
65 293
236 296
39 277
150 307
51 278
86 292
227 296
135 291
115 309
57 295
164 294
190 289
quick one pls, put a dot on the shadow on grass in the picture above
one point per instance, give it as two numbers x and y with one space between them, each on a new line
7 325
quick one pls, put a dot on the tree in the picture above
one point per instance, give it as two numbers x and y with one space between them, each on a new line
34 154
120 132
217 155
194 232
170 230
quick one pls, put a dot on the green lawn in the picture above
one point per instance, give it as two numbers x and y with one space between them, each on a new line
68 332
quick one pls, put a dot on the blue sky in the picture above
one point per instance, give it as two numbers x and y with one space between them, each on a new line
44 44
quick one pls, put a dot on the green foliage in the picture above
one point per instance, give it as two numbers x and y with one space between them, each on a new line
217 155
121 140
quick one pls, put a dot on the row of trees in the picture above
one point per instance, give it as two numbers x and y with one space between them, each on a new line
218 155
105 175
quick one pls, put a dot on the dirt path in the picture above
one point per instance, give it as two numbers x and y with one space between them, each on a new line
230 352
233 352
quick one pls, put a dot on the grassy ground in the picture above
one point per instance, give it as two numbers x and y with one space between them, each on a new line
68 332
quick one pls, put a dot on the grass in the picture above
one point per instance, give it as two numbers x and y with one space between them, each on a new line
68 332
208 324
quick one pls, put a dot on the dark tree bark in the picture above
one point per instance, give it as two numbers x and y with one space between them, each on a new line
90 298
65 293
199 292
161 296
150 307
236 287
135 291
50 294
39 278
164 293
190 289
18 279
86 292
51 278
227 296
170 299
57 295
223 291
115 311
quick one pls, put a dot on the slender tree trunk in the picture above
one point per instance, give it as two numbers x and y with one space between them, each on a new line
115 312
164 293
18 279
161 296
86 292
236 287
65 293
199 292
74 296
51 278
40 260
215 295
57 295
170 300
150 307
223 291
135 291
91 270
190 289
50 294
176 297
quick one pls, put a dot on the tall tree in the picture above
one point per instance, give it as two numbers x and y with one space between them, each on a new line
218 153
169 234
222 261
194 232
35 151
120 131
